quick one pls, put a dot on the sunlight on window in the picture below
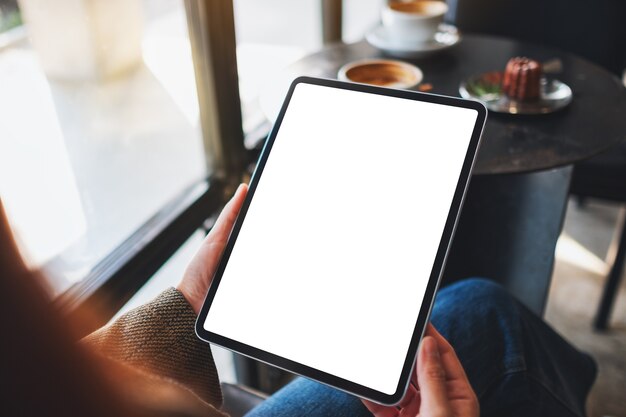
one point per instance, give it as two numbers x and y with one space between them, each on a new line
44 206
167 54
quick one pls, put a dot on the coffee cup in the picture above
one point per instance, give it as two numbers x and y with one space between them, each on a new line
413 21
381 72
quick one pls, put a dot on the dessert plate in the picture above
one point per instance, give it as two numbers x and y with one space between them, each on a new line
487 89
446 37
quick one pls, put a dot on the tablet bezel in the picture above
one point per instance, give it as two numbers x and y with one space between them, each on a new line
436 272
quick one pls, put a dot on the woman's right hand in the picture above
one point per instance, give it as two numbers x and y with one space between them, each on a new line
439 386
199 273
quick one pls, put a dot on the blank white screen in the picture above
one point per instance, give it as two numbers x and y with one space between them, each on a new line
334 255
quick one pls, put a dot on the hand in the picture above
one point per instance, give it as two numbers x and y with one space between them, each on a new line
439 386
199 273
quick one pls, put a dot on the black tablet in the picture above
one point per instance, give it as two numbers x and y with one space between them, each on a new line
331 269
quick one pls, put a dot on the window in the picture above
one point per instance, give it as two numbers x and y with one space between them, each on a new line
107 115
100 126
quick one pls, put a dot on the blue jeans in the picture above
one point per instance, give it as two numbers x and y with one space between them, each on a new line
516 364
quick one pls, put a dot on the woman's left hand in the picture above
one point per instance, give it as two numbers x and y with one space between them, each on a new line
199 273
439 386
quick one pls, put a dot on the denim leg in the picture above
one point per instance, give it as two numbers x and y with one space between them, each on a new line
517 365
303 397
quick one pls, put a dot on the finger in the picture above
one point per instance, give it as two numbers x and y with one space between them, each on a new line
451 363
444 347
459 387
430 331
410 404
211 250
380 410
221 230
441 341
431 377
414 376
413 381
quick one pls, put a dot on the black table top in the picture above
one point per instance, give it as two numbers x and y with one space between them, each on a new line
592 123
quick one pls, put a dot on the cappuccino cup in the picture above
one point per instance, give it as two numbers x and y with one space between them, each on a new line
381 72
413 21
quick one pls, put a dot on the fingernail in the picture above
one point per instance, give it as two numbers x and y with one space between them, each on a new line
430 348
239 188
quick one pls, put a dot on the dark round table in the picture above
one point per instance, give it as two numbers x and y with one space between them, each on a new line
592 123
510 223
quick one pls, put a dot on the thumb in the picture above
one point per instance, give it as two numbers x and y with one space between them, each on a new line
431 378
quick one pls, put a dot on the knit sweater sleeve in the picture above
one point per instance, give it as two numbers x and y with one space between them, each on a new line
159 337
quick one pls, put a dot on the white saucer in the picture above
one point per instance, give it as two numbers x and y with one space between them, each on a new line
486 87
446 37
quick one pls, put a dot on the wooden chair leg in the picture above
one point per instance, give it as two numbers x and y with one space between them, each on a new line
611 288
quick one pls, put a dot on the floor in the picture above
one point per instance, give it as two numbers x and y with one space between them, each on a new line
579 277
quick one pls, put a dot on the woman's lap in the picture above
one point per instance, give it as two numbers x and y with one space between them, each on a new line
303 397
516 364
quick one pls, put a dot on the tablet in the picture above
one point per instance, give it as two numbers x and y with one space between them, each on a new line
331 269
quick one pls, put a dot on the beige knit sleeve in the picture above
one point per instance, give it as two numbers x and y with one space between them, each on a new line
159 337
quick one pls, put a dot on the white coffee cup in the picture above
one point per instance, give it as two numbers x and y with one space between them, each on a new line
413 21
